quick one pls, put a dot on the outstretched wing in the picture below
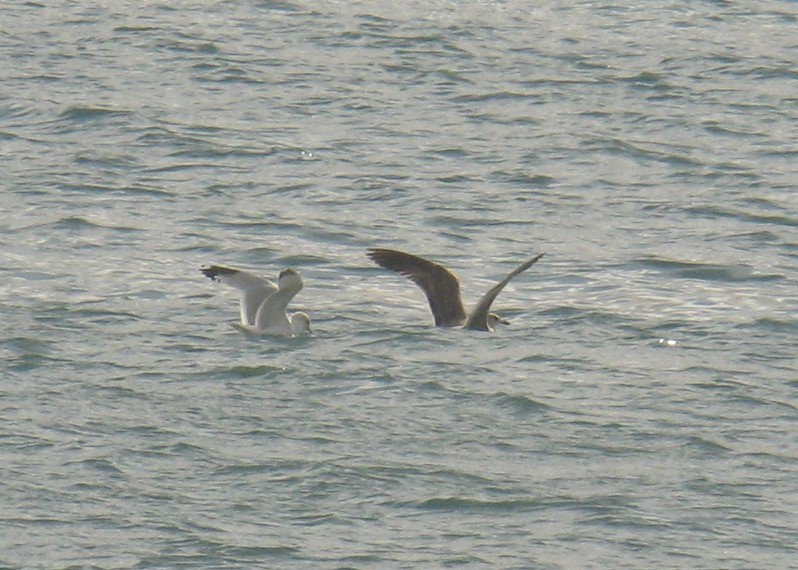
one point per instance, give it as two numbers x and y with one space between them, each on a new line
254 290
478 320
438 283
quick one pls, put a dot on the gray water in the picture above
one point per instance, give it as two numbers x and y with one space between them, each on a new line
640 410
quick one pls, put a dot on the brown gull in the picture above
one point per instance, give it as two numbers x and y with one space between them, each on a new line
443 289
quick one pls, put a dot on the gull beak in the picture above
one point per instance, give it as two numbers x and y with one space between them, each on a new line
494 319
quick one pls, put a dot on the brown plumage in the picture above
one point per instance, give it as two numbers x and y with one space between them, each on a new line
443 289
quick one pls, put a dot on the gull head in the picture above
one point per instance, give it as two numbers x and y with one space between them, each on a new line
290 279
300 323
494 319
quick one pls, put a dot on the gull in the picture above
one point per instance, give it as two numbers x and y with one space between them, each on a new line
443 289
263 304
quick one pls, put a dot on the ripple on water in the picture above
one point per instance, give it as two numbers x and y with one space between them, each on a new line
657 173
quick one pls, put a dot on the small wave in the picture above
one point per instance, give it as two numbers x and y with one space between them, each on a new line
667 154
184 43
458 504
524 179
31 362
74 224
705 271
648 80
84 114
521 405
782 324
27 346
499 96
243 371
713 211
249 553
102 465
705 446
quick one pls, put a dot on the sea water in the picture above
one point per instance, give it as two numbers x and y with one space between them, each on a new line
638 412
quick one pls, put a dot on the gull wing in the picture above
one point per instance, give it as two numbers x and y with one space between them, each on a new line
271 316
254 290
479 318
438 283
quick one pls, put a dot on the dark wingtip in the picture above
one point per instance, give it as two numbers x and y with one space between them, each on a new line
533 261
209 273
375 252
403 263
378 255
212 272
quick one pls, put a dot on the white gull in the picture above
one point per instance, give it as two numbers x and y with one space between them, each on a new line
264 304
